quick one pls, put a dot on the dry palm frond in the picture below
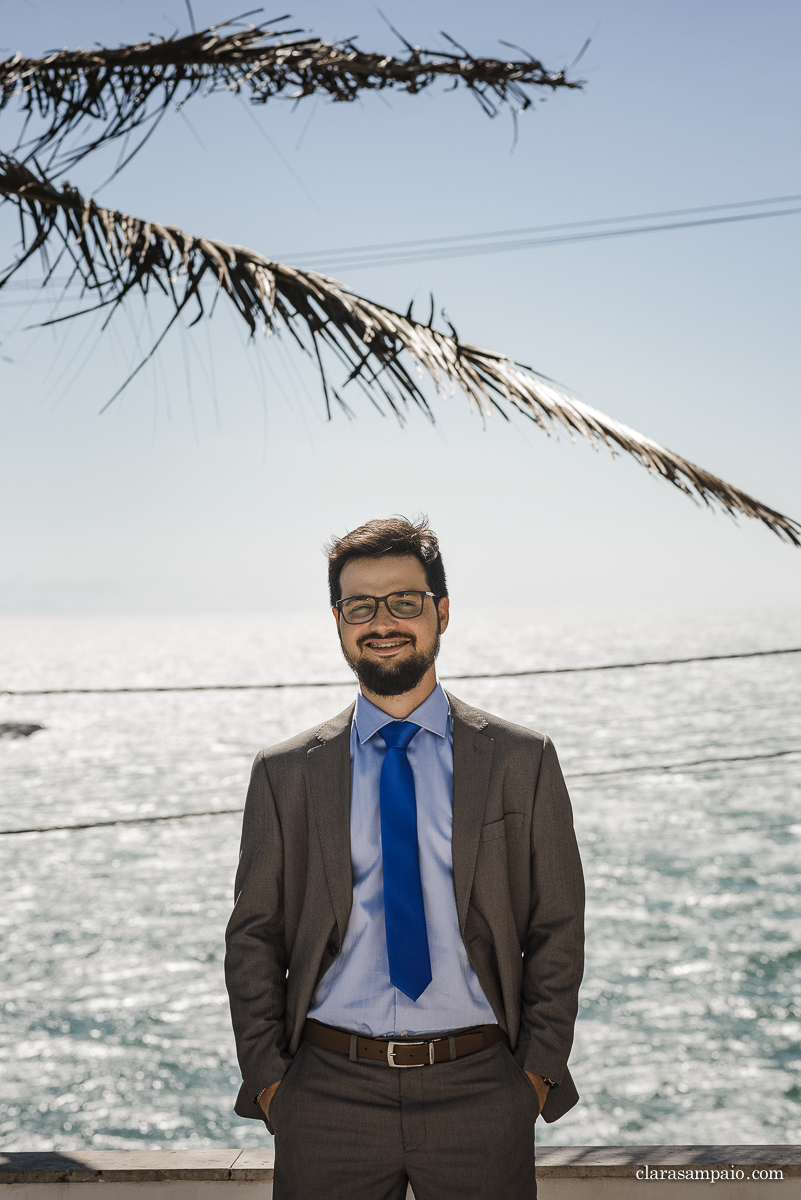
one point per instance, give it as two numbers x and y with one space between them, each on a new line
114 256
124 88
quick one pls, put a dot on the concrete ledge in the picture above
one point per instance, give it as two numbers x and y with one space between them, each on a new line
563 1172
137 1166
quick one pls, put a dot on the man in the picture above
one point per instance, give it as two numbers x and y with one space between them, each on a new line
405 950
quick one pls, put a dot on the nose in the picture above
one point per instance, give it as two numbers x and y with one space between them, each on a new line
383 618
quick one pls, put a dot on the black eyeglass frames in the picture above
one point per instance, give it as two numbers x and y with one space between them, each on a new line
358 610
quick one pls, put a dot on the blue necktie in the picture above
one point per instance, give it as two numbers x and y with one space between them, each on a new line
407 938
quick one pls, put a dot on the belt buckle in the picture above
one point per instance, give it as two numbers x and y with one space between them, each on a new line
404 1066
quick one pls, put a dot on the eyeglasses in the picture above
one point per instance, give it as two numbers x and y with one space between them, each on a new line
358 610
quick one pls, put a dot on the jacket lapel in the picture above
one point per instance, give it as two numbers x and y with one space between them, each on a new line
328 772
472 766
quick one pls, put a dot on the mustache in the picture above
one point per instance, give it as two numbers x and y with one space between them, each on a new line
385 637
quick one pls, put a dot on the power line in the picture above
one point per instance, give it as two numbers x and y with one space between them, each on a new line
698 762
535 243
218 812
430 249
212 812
419 243
655 662
336 683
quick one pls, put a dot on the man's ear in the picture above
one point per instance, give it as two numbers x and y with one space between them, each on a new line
443 609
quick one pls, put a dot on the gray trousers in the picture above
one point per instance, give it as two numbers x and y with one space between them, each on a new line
461 1130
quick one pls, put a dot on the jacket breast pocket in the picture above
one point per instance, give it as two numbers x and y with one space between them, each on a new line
497 829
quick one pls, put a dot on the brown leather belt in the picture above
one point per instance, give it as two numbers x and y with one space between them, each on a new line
404 1052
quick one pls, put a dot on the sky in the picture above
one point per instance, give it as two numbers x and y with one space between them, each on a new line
212 483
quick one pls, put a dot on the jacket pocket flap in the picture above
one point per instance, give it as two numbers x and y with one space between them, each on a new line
497 829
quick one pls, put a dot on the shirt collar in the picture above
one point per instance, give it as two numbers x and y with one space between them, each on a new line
433 714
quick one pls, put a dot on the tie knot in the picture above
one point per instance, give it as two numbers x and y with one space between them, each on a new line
398 734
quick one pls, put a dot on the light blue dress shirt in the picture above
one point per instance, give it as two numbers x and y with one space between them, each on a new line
355 993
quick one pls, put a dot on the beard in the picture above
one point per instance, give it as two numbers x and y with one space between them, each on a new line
392 679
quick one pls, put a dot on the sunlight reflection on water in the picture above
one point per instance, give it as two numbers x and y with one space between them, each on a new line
115 1027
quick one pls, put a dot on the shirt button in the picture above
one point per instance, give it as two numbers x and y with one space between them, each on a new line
333 949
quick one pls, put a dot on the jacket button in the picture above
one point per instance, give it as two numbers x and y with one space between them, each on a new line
333 949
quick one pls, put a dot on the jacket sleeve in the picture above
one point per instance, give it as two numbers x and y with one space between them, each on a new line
255 959
553 953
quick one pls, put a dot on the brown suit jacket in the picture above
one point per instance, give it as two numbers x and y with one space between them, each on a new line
516 874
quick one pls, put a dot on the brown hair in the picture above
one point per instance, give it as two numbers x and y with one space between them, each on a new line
392 536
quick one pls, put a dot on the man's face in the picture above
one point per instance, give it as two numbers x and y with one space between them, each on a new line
390 655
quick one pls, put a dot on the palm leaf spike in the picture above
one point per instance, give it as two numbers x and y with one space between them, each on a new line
115 255
128 86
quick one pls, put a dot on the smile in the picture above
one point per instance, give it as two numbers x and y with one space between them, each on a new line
387 647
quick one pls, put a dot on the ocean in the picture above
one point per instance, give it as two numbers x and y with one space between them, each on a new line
114 1025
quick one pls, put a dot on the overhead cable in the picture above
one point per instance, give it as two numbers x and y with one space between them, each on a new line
212 812
336 683
421 243
656 768
412 250
680 766
430 249
535 243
